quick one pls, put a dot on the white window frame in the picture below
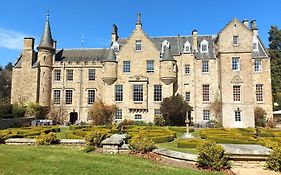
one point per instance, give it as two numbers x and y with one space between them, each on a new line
187 96
235 63
206 93
57 96
138 45
68 97
118 93
138 117
157 93
149 66
187 68
91 74
236 93
205 66
118 114
126 66
57 75
69 74
91 96
258 67
259 93
203 44
237 115
138 92
187 48
235 40
206 115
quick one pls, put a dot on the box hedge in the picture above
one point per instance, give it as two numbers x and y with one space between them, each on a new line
189 143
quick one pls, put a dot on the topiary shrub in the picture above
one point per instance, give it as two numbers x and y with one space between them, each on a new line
18 111
94 138
46 139
141 145
159 120
211 156
273 162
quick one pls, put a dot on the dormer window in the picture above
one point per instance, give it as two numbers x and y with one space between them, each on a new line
115 46
255 45
165 44
235 40
204 46
187 47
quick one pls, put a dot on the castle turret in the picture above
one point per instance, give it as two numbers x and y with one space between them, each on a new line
110 68
46 51
168 67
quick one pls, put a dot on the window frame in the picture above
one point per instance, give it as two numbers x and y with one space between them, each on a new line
149 63
206 93
235 40
206 115
91 98
157 93
237 115
138 117
138 45
236 93
126 66
204 45
259 93
205 67
118 93
68 73
235 65
187 96
138 93
258 67
57 100
187 69
56 77
91 74
118 114
68 100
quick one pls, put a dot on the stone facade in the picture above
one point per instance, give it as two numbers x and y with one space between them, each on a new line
231 68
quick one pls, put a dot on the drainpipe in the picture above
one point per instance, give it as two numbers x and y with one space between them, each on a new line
80 94
62 90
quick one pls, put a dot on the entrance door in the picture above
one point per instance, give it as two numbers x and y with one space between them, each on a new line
73 117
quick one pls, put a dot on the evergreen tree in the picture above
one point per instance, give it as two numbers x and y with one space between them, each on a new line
9 66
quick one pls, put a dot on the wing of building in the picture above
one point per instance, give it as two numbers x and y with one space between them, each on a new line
222 76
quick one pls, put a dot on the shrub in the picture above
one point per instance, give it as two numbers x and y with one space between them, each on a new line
46 139
189 143
214 124
271 123
5 109
211 156
260 117
34 109
101 113
273 162
94 138
159 120
163 139
88 149
18 111
141 145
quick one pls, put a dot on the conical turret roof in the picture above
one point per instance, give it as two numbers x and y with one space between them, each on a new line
111 56
167 55
46 40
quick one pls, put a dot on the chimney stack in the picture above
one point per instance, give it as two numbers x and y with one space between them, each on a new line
194 40
254 27
246 23
28 43
114 34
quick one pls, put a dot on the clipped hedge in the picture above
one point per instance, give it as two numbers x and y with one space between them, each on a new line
189 143
46 139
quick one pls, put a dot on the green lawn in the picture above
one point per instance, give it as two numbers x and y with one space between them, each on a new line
57 160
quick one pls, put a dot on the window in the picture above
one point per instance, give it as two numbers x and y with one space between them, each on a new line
69 75
255 46
138 92
157 112
56 97
118 92
92 74
206 115
157 93
236 93
187 47
206 92
138 117
235 40
187 96
68 97
237 115
258 67
118 114
91 96
165 44
187 68
138 45
204 46
205 66
149 66
235 63
57 74
126 66
259 92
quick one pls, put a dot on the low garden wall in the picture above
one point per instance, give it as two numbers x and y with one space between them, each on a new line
15 122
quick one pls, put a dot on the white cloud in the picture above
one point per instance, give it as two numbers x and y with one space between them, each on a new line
11 39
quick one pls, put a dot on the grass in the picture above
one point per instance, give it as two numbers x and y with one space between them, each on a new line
33 160
63 132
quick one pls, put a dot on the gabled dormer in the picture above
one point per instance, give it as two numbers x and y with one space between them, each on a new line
204 46
187 47
164 45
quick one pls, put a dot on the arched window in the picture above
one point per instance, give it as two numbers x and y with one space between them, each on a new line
186 47
165 44
204 46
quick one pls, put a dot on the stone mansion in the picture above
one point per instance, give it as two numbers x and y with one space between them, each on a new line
230 68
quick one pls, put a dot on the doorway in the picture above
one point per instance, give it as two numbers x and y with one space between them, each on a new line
73 117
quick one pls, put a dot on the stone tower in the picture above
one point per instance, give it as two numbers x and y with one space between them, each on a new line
46 52
110 68
168 67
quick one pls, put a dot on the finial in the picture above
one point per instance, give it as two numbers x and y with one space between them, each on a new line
48 15
139 18
82 40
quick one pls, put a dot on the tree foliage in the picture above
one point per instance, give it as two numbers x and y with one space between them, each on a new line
260 117
275 54
5 83
174 109
101 113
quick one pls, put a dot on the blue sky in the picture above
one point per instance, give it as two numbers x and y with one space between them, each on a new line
70 19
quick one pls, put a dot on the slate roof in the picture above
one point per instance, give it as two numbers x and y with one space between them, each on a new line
46 40
82 54
262 53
